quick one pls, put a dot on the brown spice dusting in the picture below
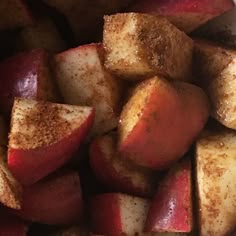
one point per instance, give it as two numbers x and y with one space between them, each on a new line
44 124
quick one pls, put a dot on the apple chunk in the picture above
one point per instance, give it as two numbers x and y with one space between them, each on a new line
216 71
44 136
54 200
26 75
215 181
160 122
141 45
116 214
185 14
10 189
118 174
83 80
171 207
14 14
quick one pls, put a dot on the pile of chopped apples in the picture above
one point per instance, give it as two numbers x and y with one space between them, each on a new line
115 119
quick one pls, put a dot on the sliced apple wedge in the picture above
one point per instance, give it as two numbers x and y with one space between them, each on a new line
116 214
185 14
10 189
118 174
54 200
216 71
139 45
14 14
171 207
26 75
160 122
215 181
83 80
44 136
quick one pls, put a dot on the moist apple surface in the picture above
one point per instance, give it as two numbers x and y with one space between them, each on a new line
116 118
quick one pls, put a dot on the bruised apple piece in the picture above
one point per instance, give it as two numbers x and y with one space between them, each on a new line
187 15
10 189
43 34
171 207
216 70
116 214
54 200
118 174
11 225
26 75
141 45
160 122
44 136
83 80
14 14
215 175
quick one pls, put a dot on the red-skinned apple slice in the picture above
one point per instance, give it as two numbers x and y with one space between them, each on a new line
83 80
26 75
14 14
185 14
116 214
215 182
171 207
54 200
44 136
118 174
10 189
160 122
11 225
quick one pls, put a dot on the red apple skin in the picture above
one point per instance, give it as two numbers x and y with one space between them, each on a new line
171 207
10 225
23 163
162 134
185 14
30 165
100 211
55 200
26 75
117 174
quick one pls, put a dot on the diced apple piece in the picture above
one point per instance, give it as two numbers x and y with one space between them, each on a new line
171 207
215 181
116 214
43 34
185 14
10 189
14 14
160 122
83 80
216 70
116 173
10 225
141 45
44 136
54 200
26 75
